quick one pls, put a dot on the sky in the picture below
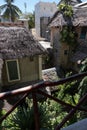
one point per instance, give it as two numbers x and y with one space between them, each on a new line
30 4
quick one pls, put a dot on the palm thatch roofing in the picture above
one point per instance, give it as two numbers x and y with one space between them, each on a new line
18 42
71 2
80 54
79 18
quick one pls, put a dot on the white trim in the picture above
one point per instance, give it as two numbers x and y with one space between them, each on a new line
8 70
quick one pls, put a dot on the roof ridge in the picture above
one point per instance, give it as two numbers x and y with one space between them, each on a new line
11 24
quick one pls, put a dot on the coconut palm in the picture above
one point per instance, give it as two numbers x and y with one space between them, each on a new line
10 11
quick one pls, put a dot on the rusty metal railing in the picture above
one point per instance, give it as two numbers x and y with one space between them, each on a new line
36 88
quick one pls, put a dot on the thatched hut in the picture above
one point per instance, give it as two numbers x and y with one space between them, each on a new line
20 56
64 55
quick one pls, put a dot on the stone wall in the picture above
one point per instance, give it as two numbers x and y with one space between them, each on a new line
62 52
60 49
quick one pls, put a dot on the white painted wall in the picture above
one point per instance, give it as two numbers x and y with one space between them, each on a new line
43 9
24 21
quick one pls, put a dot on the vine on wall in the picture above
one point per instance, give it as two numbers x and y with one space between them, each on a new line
68 35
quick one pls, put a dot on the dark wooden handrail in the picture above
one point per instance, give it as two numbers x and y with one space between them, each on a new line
33 89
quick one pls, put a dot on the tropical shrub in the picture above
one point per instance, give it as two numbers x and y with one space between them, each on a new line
66 9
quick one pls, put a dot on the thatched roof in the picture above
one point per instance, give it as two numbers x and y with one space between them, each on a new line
79 18
18 42
81 53
71 2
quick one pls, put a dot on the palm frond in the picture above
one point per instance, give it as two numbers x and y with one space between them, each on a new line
16 8
9 1
2 7
6 13
10 10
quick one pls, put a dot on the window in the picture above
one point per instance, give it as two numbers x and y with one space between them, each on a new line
83 33
12 67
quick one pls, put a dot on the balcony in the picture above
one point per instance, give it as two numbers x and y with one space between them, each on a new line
37 89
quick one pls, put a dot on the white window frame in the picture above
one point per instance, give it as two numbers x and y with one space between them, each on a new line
8 76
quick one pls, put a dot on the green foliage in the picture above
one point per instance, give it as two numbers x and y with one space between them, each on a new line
11 12
32 20
82 92
84 66
83 87
23 118
50 112
68 35
83 82
2 112
66 10
20 119
69 94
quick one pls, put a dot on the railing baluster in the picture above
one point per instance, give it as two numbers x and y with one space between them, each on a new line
36 112
15 105
71 113
33 88
60 101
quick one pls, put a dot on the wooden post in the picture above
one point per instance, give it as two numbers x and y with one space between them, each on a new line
71 113
15 105
36 113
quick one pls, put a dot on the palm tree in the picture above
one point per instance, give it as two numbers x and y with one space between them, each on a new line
10 11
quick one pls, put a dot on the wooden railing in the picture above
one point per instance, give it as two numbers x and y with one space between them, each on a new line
36 88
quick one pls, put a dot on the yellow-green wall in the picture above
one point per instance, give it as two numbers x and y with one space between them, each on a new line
29 71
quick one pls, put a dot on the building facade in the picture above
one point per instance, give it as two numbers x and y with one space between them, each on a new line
69 55
43 12
20 56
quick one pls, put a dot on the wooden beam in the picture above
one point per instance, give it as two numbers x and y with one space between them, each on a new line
71 113
41 85
36 112
16 104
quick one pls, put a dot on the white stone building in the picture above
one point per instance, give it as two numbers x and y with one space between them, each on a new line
43 10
